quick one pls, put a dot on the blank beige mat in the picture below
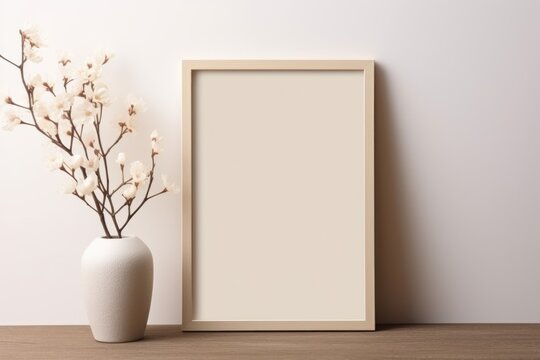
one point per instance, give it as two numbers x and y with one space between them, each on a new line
278 194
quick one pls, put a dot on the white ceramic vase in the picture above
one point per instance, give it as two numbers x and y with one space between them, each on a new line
117 279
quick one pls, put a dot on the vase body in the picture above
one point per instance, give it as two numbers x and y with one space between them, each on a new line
117 279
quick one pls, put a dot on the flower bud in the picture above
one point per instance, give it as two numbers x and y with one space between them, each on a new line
121 159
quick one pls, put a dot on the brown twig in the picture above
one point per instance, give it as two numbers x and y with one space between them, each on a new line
9 61
124 183
122 133
21 106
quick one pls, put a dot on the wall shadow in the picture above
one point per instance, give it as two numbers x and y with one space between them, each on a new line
395 287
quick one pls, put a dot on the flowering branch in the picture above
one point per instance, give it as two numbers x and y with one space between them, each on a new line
70 116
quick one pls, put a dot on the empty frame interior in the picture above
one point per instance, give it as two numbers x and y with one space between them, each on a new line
280 179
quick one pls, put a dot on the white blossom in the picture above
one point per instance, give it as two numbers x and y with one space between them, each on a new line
138 172
102 57
83 111
99 94
88 185
70 186
31 53
76 88
156 149
35 85
43 118
155 138
135 105
65 66
54 161
35 81
91 164
168 185
48 126
66 72
65 128
90 139
121 159
65 59
127 124
130 192
74 162
60 104
11 119
32 35
91 70
41 109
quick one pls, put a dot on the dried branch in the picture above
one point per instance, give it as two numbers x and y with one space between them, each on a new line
21 106
124 183
9 61
98 188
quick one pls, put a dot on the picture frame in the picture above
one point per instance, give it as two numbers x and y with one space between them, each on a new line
278 195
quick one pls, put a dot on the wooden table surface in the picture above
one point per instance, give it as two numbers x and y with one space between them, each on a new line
388 342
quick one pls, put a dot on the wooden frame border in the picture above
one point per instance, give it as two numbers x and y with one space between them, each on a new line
189 67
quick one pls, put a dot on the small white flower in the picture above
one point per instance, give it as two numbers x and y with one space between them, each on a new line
74 162
32 35
138 172
66 72
83 111
35 85
65 59
44 119
70 186
76 88
65 128
65 66
41 109
54 161
156 149
155 138
98 95
102 57
121 159
127 124
88 185
35 81
91 71
60 104
11 119
91 165
169 185
135 105
31 53
130 192
90 139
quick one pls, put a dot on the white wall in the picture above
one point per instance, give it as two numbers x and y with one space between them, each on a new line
457 142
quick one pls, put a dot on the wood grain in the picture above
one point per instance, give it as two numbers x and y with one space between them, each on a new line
389 342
